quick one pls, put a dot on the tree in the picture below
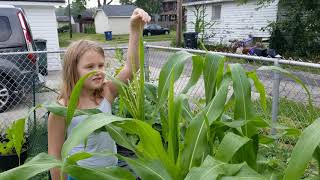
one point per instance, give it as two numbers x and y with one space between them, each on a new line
77 7
126 2
202 26
104 2
150 6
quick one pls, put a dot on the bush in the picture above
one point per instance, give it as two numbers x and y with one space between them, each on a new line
90 30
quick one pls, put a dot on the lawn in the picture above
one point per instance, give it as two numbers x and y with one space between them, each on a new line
64 39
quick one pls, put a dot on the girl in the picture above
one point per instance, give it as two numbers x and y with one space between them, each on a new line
81 58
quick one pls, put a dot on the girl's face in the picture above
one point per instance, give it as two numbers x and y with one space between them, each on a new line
92 61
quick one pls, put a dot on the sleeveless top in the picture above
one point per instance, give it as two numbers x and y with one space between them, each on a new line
97 142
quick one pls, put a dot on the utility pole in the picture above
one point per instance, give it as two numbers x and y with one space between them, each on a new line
179 23
70 26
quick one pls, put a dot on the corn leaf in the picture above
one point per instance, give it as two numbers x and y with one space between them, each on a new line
230 144
148 169
303 151
74 98
85 128
289 74
174 65
60 110
195 144
41 163
173 121
142 78
110 173
197 66
150 143
260 88
213 67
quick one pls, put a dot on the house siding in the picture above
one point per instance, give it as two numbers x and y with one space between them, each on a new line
119 25
43 25
101 22
237 21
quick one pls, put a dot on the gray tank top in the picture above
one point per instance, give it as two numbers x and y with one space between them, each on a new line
97 142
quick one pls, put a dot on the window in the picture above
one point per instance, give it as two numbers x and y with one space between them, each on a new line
5 29
216 12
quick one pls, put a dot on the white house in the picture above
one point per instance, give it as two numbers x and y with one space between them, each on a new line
232 20
115 18
42 19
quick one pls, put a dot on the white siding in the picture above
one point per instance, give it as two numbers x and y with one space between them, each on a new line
101 22
237 21
43 24
119 25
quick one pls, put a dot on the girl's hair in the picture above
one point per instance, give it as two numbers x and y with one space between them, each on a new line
70 74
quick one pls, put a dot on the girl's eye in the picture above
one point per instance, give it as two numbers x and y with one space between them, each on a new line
101 65
89 67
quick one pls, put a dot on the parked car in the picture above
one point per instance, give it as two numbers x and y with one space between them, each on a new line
154 29
17 71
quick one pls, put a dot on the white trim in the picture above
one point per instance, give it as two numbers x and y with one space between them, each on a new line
205 2
24 3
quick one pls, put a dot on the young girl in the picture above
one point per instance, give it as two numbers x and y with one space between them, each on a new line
81 58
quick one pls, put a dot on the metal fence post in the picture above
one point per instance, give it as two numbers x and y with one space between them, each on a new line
146 63
275 95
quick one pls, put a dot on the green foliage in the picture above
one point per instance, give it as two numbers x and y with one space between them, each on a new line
150 6
15 137
204 144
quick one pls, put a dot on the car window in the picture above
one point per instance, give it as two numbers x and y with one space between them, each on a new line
158 27
152 26
5 29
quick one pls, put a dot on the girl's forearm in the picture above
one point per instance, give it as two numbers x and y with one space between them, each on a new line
133 51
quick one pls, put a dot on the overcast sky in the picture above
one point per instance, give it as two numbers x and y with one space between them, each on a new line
94 3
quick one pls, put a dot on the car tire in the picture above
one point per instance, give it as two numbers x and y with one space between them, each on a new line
7 95
166 33
149 34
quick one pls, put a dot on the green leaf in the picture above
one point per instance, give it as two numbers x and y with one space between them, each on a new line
244 109
174 65
16 135
150 143
230 144
119 136
110 173
287 73
41 163
260 88
142 77
173 121
195 144
85 128
60 110
148 169
210 169
213 68
74 98
197 66
303 151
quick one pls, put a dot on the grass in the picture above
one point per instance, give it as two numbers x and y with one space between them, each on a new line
64 39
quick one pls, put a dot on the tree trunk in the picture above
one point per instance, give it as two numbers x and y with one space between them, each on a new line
99 4
108 2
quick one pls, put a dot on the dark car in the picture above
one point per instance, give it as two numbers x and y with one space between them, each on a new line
154 29
18 71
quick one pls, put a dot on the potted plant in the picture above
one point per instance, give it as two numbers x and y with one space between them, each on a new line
13 149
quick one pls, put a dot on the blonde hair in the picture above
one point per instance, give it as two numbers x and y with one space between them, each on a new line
70 74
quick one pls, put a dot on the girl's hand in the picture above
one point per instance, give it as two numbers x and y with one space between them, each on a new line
138 19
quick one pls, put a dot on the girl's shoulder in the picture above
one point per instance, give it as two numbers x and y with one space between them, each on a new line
62 102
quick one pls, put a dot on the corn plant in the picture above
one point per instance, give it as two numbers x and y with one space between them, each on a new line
207 144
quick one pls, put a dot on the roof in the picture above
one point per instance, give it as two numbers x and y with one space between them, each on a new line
118 10
64 19
58 1
88 13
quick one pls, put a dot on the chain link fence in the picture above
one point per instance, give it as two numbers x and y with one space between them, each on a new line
22 87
